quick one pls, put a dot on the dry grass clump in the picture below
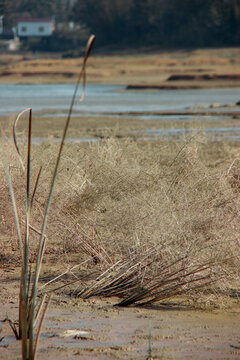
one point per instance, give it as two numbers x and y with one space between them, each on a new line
156 219
158 197
8 237
131 197
141 195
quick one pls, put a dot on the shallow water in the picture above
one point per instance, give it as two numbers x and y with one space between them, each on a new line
176 117
109 101
230 133
108 98
180 131
40 140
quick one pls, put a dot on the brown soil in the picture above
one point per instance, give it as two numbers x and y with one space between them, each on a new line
177 332
170 70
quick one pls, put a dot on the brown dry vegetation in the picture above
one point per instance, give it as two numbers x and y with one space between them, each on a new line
117 199
222 66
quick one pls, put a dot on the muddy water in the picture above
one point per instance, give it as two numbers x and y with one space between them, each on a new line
114 333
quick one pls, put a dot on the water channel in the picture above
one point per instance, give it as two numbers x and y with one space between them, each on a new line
114 100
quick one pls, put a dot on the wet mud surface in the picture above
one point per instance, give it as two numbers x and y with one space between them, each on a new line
77 329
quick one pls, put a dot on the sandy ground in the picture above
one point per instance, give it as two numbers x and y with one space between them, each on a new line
169 70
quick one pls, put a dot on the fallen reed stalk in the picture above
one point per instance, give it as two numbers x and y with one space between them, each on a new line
139 284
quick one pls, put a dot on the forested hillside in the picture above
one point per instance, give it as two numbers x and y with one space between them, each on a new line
127 23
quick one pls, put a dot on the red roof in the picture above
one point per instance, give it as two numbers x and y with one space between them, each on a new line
34 20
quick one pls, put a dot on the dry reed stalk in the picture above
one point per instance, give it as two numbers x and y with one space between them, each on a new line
86 243
135 282
30 309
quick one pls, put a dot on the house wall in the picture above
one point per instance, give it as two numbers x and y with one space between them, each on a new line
26 29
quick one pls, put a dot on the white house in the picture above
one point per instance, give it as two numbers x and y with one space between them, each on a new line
31 27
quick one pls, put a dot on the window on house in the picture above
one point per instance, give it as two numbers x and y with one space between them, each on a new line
41 29
23 29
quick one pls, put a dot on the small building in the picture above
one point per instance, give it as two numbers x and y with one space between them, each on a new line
35 27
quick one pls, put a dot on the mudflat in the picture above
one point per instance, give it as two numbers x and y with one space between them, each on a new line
95 329
201 68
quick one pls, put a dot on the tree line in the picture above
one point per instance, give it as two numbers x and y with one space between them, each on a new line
167 23
134 23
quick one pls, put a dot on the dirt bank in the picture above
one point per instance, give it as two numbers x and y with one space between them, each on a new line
171 70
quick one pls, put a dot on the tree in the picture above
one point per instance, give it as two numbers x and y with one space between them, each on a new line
109 19
124 23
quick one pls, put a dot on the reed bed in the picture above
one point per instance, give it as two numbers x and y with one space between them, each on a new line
146 220
165 219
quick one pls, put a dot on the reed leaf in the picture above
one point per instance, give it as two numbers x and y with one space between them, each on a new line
40 252
14 206
28 312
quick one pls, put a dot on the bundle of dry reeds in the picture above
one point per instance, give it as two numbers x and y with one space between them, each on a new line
145 279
